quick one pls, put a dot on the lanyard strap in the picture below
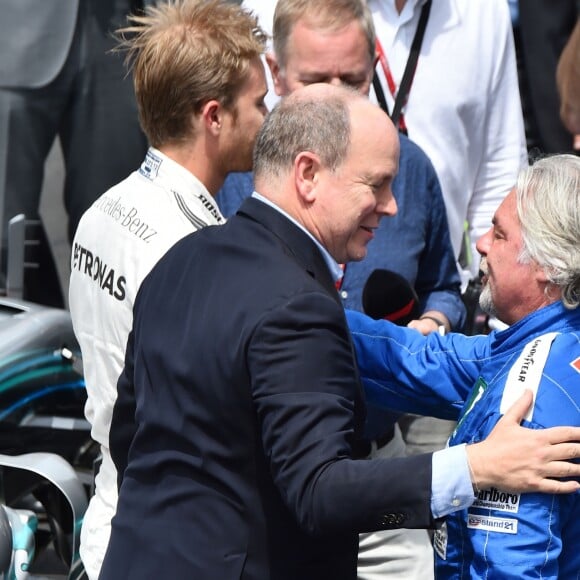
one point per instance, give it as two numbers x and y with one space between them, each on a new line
401 95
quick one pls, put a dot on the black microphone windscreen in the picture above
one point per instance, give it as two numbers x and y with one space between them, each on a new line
388 295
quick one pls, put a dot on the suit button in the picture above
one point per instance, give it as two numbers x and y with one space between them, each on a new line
392 520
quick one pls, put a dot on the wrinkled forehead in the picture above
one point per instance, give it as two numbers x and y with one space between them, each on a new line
506 214
344 41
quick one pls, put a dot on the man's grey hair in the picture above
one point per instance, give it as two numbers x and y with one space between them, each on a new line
548 206
321 126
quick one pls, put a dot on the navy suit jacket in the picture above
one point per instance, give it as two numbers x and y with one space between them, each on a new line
241 379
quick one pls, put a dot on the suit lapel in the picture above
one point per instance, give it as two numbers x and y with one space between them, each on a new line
305 252
297 242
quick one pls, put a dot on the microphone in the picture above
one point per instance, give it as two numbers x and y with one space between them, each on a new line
387 295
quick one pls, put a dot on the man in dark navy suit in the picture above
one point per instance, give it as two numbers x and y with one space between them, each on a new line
235 429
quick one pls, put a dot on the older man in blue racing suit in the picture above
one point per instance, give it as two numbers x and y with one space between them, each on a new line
531 281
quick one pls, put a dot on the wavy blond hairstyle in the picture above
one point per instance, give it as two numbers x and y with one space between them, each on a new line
183 53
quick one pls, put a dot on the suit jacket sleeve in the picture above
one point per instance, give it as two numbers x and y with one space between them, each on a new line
304 385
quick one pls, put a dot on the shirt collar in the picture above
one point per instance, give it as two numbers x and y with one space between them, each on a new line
333 266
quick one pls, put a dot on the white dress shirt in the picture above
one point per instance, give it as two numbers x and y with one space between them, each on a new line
464 106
